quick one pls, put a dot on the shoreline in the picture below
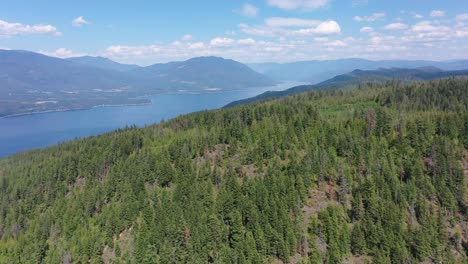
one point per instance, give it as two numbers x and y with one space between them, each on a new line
146 96
73 109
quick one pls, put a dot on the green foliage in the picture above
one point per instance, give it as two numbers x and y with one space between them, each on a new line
232 185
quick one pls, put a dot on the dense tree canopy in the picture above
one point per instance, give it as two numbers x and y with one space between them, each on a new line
371 174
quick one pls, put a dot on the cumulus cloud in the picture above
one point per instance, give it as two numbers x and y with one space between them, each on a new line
14 29
79 21
462 17
292 39
366 29
219 42
327 27
462 33
321 39
371 18
249 10
437 13
126 51
291 22
62 53
196 45
261 31
428 26
187 37
418 16
247 41
336 43
396 26
282 28
298 4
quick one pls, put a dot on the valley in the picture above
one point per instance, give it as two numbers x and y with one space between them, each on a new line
234 132
372 174
32 82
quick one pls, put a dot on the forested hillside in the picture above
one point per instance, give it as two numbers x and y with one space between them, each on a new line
359 77
374 174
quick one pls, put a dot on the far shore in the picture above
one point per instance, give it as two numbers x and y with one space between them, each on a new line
203 91
72 109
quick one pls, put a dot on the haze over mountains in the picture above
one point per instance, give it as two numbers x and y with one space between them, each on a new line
318 71
32 82
104 63
357 77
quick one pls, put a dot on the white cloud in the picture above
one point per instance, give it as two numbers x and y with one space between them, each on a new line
366 30
196 45
294 40
418 16
462 33
79 21
274 30
371 18
249 10
298 4
291 22
324 28
321 39
62 53
261 31
395 26
328 27
129 51
187 37
427 26
247 41
437 13
336 43
221 41
14 29
462 17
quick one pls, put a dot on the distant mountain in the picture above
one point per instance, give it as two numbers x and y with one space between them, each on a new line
357 77
103 63
207 72
25 71
32 82
318 71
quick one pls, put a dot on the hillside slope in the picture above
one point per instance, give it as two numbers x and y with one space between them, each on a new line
321 70
360 77
103 63
32 82
370 174
207 73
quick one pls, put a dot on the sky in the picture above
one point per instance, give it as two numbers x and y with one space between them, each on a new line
147 32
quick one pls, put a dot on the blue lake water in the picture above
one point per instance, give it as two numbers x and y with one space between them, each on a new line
27 132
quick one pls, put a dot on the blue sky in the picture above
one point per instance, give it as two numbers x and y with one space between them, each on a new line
146 32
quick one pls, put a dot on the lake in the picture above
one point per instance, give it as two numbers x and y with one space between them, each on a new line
28 132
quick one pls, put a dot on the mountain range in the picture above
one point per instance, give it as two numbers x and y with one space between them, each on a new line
320 70
357 77
32 82
104 63
370 175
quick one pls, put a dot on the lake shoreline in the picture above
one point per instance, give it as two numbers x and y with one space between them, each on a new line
204 91
39 129
73 109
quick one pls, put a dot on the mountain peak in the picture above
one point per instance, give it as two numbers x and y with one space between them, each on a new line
103 63
210 72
